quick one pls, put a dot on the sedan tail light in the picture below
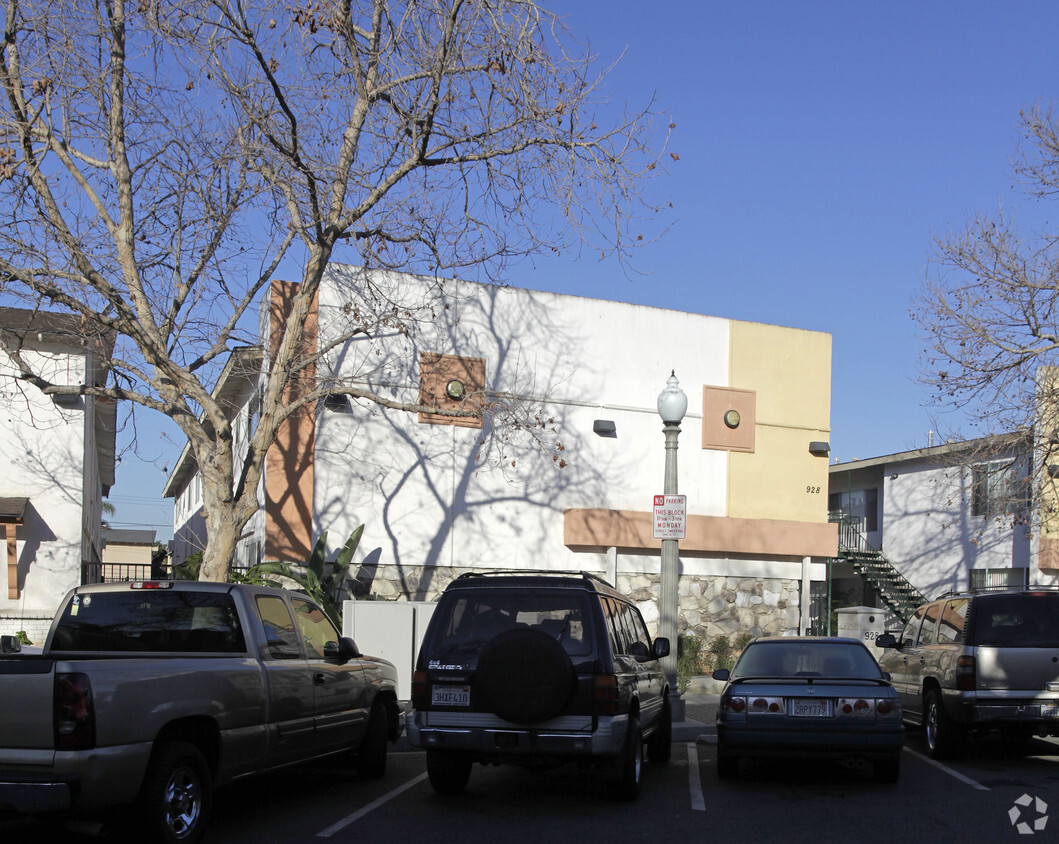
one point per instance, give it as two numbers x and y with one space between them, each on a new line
733 703
766 705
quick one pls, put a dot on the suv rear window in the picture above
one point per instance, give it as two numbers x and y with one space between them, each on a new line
160 621
473 620
1017 621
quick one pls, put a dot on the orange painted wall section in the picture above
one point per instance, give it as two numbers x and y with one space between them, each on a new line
289 462
631 532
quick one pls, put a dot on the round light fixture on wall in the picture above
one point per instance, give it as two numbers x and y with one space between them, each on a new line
455 389
732 418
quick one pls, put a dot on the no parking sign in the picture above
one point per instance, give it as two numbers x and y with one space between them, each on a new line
670 516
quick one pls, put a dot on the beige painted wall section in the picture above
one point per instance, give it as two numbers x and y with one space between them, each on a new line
119 554
790 371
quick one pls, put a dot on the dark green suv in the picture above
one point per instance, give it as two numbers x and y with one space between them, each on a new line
539 670
973 662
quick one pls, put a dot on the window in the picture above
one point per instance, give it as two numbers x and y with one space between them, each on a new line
860 505
641 646
279 628
166 621
930 623
617 640
908 635
953 620
1000 578
321 637
1017 621
476 620
253 413
997 488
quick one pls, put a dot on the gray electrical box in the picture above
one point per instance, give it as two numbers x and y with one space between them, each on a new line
863 623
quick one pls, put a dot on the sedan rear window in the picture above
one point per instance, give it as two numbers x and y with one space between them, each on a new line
839 660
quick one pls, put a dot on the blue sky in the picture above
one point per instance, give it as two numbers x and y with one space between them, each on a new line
822 144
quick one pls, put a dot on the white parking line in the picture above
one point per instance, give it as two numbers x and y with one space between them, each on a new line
948 770
375 804
694 781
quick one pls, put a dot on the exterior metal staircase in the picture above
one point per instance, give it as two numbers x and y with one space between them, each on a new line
900 596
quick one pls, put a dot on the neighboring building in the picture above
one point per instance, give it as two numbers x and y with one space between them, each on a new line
569 489
58 457
237 390
132 555
947 517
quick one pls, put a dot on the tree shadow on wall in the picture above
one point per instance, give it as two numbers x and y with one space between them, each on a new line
449 496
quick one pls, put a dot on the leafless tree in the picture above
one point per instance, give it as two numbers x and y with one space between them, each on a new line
161 160
989 309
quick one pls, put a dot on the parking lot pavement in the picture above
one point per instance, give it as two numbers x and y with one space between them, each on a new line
700 711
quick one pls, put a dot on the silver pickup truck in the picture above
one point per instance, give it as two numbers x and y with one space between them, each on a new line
153 693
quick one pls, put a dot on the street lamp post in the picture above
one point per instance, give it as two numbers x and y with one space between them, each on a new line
672 405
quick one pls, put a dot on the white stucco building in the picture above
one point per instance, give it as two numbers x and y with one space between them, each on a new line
58 456
947 517
564 479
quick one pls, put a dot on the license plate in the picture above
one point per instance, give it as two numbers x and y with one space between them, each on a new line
450 695
805 707
1050 710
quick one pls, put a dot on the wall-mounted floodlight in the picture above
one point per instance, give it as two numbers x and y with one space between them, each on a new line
605 428
819 449
338 402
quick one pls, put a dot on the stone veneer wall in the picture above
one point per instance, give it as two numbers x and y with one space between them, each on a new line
708 606
721 606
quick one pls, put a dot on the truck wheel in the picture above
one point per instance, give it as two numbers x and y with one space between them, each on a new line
371 758
526 676
177 794
448 771
627 786
943 736
660 745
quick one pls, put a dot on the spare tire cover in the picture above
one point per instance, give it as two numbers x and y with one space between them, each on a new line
525 676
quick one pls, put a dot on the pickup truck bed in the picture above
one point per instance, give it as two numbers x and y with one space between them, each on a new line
149 690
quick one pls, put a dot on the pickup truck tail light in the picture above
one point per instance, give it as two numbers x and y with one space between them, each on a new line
605 694
965 673
73 713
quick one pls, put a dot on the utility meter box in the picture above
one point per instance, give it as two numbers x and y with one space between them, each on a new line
392 630
863 623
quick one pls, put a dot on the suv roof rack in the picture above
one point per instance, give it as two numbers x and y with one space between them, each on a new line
985 590
587 575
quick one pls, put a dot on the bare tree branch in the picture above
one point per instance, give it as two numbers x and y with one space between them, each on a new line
161 162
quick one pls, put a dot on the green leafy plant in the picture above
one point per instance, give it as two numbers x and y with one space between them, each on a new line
320 580
726 649
23 637
189 569
690 662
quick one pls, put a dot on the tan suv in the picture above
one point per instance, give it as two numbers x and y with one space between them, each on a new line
978 661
